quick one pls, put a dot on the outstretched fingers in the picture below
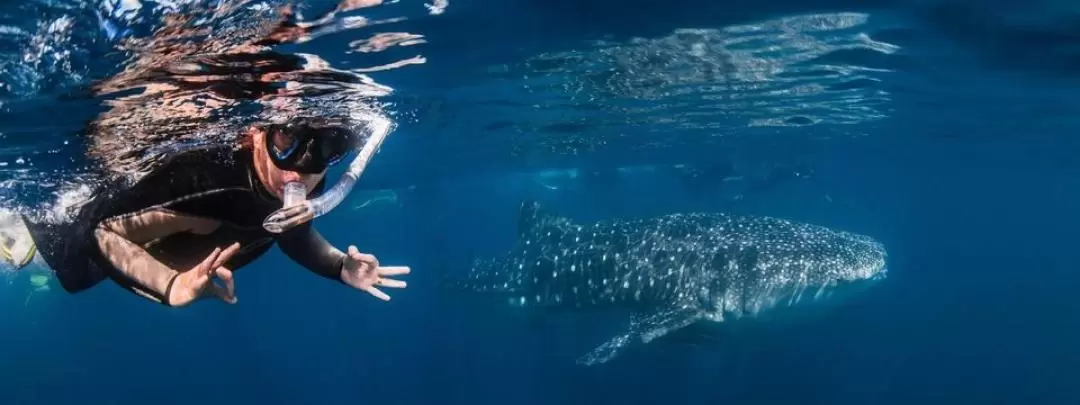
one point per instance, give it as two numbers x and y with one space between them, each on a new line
393 270
226 255
207 265
378 294
386 282
369 268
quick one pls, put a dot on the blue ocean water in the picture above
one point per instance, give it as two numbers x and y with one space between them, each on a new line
944 129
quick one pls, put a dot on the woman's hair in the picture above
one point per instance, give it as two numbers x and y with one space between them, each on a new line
245 141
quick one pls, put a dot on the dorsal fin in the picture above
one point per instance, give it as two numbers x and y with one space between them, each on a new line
532 217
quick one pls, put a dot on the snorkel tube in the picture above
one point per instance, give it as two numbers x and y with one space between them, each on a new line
297 209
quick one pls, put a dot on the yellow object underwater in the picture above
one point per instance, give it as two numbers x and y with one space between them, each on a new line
40 284
16 245
24 259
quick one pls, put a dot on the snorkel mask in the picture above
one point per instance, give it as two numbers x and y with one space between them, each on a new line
308 148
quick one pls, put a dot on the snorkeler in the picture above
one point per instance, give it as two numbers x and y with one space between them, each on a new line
200 216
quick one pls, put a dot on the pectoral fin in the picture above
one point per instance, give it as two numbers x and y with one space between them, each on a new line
661 323
608 350
643 328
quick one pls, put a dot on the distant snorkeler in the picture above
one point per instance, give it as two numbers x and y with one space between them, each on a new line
198 215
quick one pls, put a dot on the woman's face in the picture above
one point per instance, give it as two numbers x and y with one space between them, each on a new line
274 178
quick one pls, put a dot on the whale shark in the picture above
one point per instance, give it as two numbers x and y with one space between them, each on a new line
671 271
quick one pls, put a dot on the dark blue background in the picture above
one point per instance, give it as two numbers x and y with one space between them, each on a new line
970 183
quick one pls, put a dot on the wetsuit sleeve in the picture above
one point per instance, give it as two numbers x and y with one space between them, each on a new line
126 225
137 270
304 245
128 218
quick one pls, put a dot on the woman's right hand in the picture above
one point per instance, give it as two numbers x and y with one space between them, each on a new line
195 283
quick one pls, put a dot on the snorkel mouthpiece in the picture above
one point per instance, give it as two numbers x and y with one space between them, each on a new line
295 193
296 209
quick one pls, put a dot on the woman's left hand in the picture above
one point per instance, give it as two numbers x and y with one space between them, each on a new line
362 271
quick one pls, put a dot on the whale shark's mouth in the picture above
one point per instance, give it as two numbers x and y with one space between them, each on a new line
880 275
840 290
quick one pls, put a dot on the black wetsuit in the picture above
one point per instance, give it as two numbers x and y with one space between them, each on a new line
216 183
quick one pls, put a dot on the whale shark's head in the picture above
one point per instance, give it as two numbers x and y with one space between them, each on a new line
854 263
792 264
863 257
